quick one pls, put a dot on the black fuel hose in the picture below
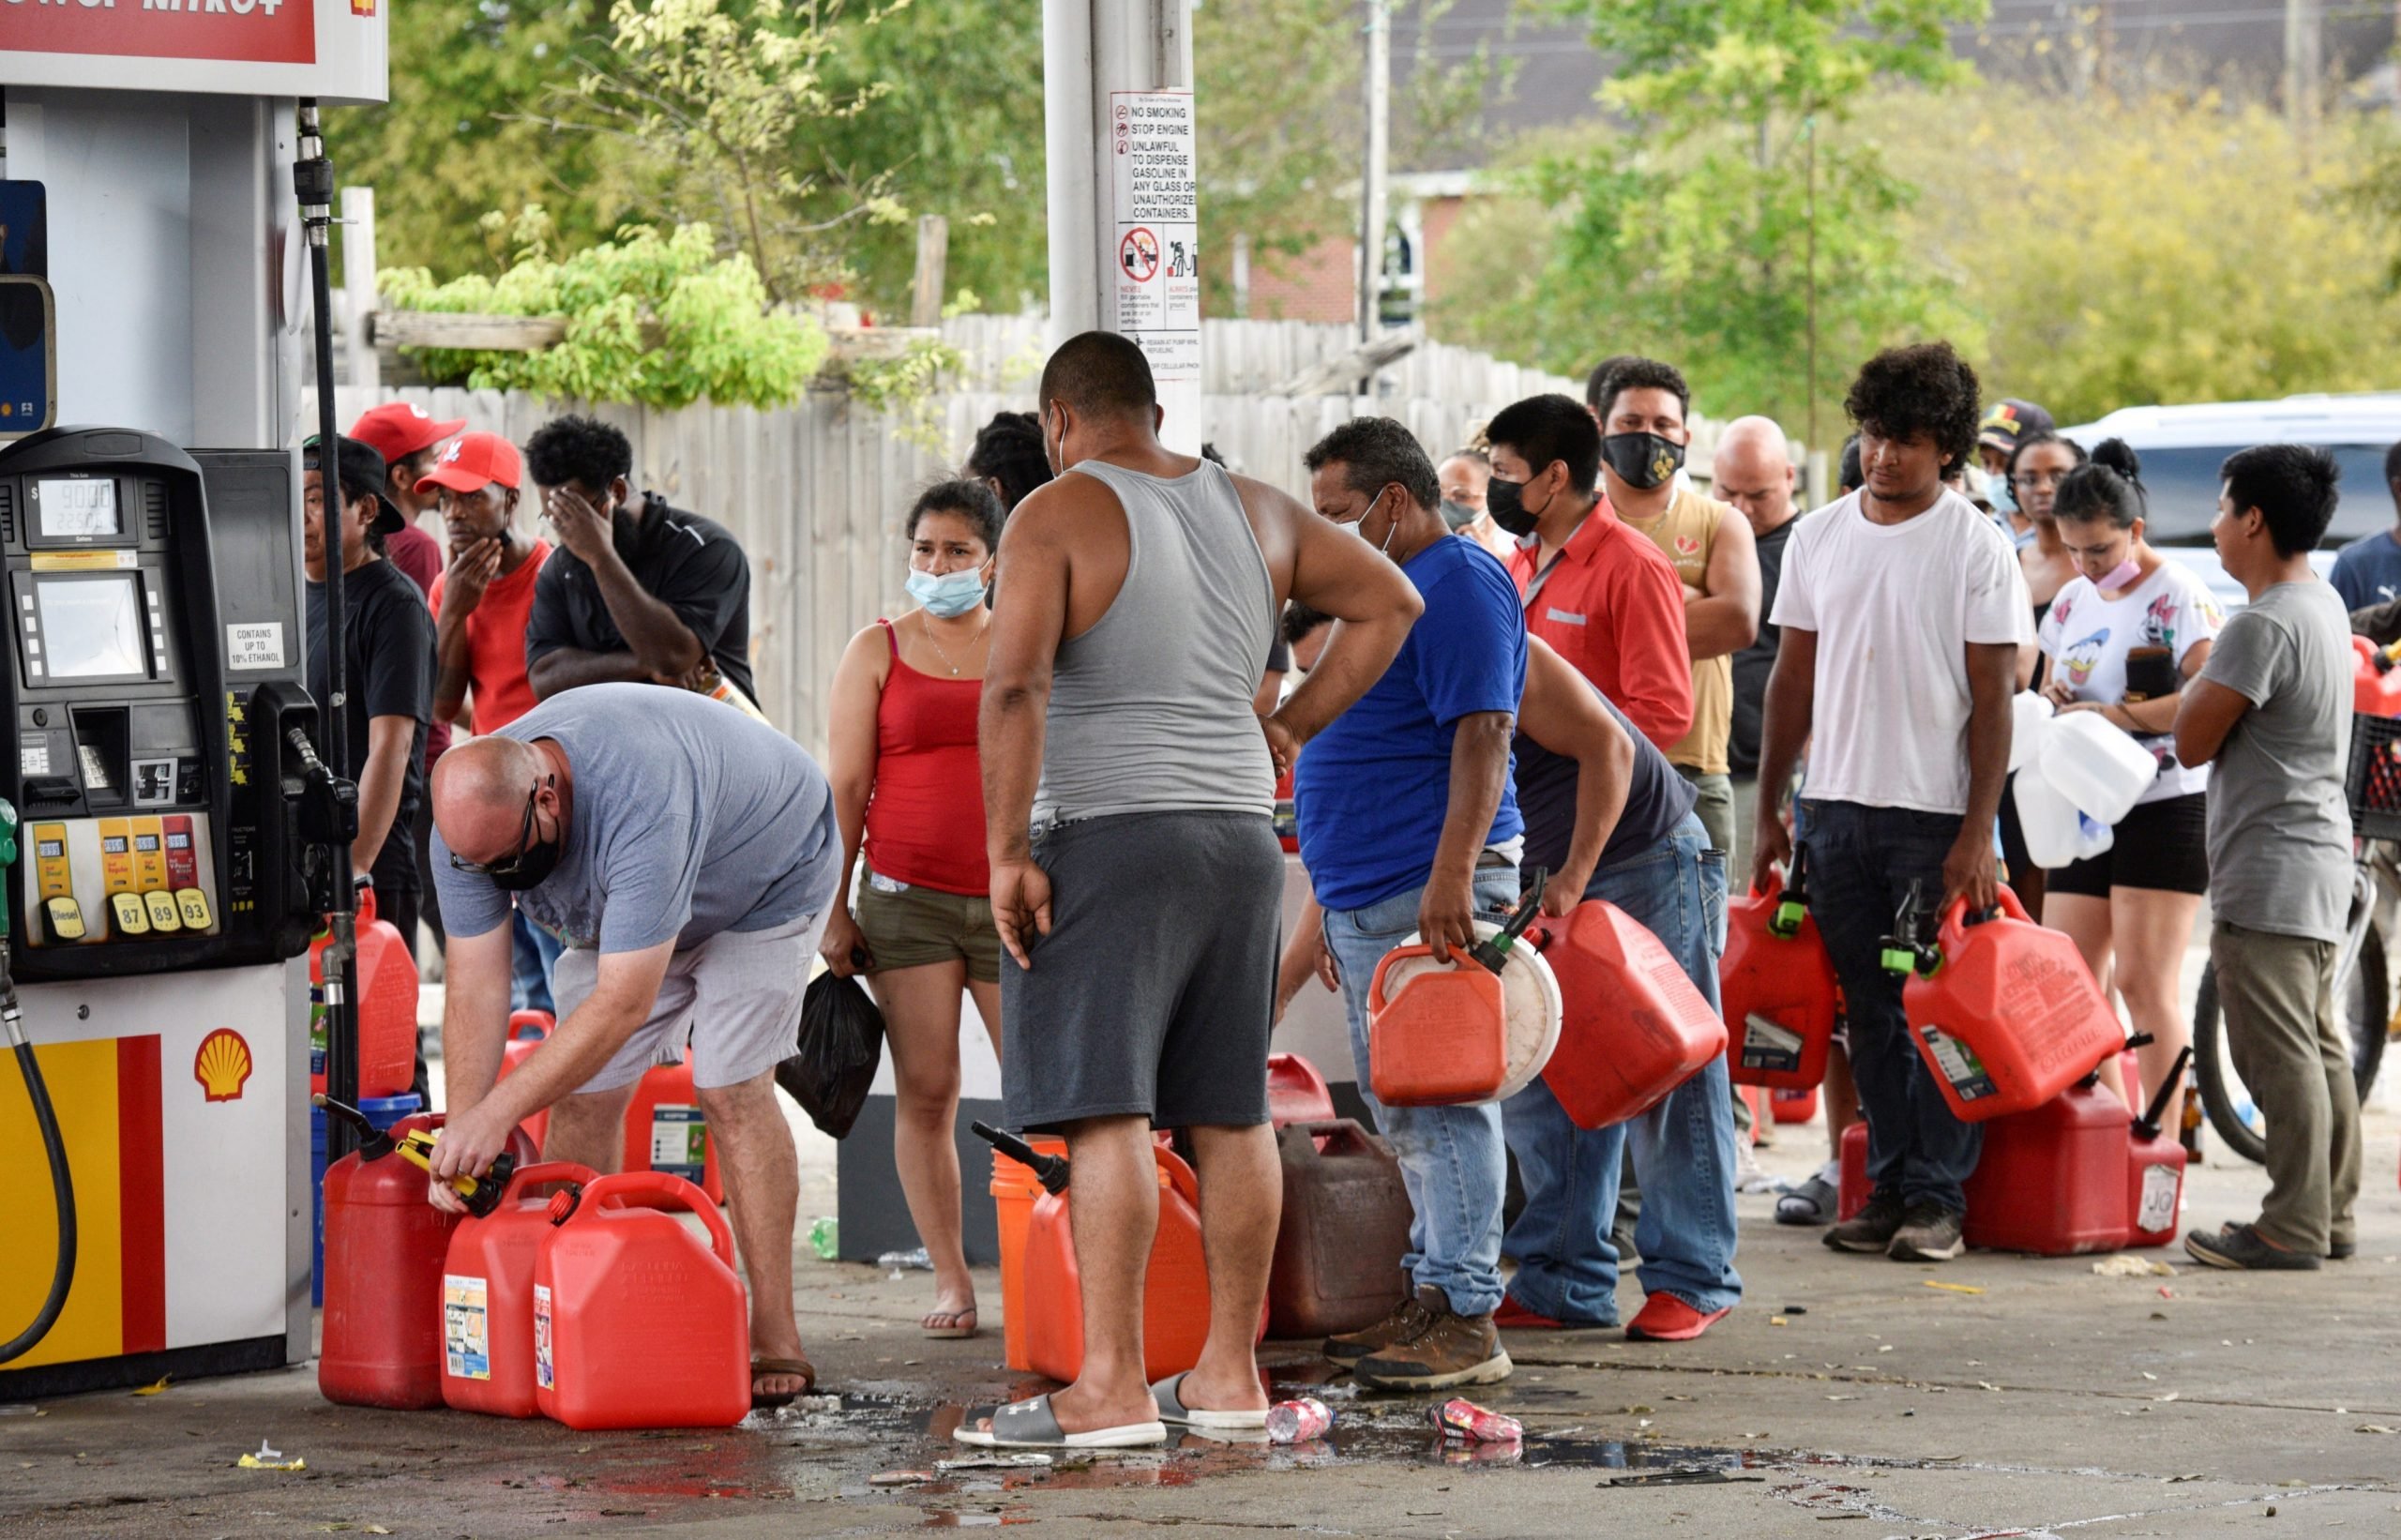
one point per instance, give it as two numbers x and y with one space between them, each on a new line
62 1186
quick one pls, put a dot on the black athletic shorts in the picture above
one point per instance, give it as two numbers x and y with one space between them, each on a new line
2161 845
1154 993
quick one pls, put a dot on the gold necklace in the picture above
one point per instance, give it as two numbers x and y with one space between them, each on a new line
945 657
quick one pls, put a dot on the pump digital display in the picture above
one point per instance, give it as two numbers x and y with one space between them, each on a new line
77 508
91 628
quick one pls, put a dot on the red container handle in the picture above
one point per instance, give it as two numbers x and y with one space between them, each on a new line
1179 1175
661 1190
543 1023
543 1173
1292 1071
1955 918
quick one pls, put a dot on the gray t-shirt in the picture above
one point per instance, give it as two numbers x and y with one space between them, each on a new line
2279 828
689 818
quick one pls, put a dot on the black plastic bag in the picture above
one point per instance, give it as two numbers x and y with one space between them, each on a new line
841 1039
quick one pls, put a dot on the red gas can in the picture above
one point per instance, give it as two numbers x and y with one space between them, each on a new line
488 1295
1296 1093
1439 1039
1632 1027
2154 1188
387 990
1852 1191
1777 990
2052 1180
2376 684
385 1246
664 1129
637 1323
1175 1288
1793 1105
2010 1016
1287 825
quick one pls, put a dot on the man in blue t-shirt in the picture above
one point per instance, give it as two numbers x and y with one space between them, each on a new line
2367 571
1409 826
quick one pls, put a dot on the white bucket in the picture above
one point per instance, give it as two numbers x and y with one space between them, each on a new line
2099 769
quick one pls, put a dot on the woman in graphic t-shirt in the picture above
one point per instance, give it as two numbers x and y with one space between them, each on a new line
2121 640
908 785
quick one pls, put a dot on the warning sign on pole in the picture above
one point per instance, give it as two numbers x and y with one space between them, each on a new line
1156 284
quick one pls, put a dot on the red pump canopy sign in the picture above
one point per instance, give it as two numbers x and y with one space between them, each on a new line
333 49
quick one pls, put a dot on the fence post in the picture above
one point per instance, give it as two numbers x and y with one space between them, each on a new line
934 254
358 287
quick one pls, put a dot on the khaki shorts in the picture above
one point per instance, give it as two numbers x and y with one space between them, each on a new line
919 927
734 998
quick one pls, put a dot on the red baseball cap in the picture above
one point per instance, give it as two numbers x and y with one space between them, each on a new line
397 429
472 462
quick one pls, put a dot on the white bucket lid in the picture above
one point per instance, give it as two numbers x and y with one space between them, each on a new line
1531 1006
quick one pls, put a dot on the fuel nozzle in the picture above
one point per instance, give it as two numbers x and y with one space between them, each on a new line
1910 947
1792 904
1049 1170
1494 952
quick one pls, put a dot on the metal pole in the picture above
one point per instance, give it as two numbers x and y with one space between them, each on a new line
2302 20
312 178
1068 144
1809 131
1377 93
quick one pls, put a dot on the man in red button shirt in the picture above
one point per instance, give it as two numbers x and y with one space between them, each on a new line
1602 595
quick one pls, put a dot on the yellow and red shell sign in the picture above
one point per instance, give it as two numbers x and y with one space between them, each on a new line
223 1066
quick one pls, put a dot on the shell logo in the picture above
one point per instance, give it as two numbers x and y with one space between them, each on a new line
223 1066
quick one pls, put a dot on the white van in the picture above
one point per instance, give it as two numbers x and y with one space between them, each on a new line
2183 447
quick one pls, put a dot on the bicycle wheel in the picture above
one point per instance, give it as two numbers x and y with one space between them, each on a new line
2366 1009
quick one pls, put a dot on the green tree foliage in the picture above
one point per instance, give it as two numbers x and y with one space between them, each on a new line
1685 229
660 320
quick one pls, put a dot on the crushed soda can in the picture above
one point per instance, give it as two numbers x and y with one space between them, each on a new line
1464 1419
1297 1422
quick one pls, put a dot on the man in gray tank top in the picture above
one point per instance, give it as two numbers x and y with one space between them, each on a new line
1128 795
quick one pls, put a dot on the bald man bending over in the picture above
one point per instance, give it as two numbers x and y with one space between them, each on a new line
685 855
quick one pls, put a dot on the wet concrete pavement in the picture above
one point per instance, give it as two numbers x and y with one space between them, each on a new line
1846 1398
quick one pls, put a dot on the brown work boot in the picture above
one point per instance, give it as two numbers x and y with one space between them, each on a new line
1451 1350
1406 1321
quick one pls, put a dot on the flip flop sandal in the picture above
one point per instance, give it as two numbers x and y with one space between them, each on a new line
762 1367
962 1324
1032 1425
1812 1202
1168 1397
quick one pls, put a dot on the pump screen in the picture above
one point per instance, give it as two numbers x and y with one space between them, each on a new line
91 627
81 508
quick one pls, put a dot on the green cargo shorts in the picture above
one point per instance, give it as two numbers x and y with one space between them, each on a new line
910 927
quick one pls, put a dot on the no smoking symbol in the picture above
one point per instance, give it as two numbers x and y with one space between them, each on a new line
1139 254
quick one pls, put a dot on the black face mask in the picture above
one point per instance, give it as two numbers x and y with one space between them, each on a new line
1642 459
530 869
1500 500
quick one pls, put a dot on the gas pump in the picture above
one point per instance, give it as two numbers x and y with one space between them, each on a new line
176 826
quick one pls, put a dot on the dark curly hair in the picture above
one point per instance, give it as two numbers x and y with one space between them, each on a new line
1596 384
2109 486
1374 453
1008 449
1924 390
1631 374
583 450
967 497
1300 620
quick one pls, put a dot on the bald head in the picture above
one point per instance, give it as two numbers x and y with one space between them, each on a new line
1751 470
480 794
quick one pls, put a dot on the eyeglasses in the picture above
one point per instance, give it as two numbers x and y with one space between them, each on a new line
511 864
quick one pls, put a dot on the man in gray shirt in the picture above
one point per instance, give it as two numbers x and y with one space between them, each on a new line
686 856
2271 709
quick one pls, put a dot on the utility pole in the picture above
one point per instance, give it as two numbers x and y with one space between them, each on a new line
2304 68
1377 84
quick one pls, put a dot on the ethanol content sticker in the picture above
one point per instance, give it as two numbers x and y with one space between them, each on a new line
466 1327
1957 1063
1770 1044
2157 1210
679 1141
542 1373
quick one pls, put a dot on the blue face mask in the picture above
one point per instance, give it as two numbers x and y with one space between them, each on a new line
1998 489
948 594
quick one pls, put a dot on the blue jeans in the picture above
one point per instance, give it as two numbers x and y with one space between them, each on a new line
1683 1147
1862 861
535 955
1452 1159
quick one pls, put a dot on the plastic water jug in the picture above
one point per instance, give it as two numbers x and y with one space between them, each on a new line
637 1322
385 1248
1175 1287
2376 684
1793 1105
2030 718
1777 988
664 1128
2052 1180
1296 1093
1634 1028
2098 768
388 994
488 1295
1477 1029
2056 833
2004 1011
1344 1231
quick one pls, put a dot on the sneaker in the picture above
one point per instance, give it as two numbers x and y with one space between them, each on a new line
2342 1251
1452 1350
1871 1228
2241 1248
1664 1318
1513 1316
1929 1233
1407 1319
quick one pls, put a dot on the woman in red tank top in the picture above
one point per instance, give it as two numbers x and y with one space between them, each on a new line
909 792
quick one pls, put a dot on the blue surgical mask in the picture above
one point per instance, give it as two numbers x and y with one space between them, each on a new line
1999 493
948 595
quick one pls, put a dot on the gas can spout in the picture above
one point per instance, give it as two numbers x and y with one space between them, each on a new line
373 1144
1050 1170
1494 953
2147 1126
1911 948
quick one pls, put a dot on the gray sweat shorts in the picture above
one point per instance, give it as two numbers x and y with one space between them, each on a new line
734 998
1154 993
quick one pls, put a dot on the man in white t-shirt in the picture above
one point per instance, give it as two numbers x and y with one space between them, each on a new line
1903 614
